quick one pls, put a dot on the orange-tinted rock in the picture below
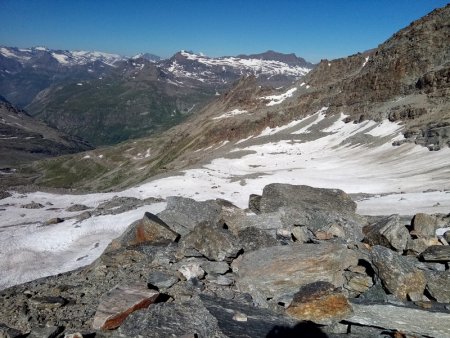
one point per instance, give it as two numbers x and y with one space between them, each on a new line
150 229
118 303
319 302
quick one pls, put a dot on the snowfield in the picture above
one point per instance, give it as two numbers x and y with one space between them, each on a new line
318 150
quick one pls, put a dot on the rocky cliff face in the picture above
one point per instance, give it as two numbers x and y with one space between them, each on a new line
23 138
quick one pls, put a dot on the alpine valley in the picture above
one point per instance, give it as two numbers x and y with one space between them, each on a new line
249 196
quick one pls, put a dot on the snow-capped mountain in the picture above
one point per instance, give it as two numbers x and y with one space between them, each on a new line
207 69
64 57
155 94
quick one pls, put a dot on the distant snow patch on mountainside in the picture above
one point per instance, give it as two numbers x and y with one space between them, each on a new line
277 99
234 112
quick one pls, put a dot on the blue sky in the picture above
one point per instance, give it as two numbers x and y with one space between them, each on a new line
312 29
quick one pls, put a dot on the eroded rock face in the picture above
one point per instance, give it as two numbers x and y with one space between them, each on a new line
399 275
118 303
319 302
276 271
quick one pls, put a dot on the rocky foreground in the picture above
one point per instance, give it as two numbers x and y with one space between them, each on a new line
298 263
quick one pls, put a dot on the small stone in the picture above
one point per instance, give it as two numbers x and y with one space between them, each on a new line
118 303
212 267
77 207
301 234
55 220
423 304
224 280
447 236
48 302
240 317
73 335
83 216
32 205
319 302
284 233
323 235
436 253
192 270
359 283
161 279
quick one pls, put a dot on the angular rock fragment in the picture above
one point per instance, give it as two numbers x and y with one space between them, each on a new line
119 302
150 230
212 242
281 270
254 202
9 332
438 285
424 225
389 232
161 279
77 207
212 267
175 319
436 253
32 205
192 270
184 214
398 274
404 319
55 220
319 302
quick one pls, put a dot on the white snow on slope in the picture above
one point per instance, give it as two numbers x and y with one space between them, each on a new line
232 113
277 99
365 61
61 58
288 154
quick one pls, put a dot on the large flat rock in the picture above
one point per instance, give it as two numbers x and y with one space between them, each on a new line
117 304
403 319
276 196
281 270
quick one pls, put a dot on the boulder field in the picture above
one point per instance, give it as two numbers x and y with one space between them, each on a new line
299 262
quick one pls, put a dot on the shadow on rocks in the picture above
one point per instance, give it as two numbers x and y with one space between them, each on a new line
301 330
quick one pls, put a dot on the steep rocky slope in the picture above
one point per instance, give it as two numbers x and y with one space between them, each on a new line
24 139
